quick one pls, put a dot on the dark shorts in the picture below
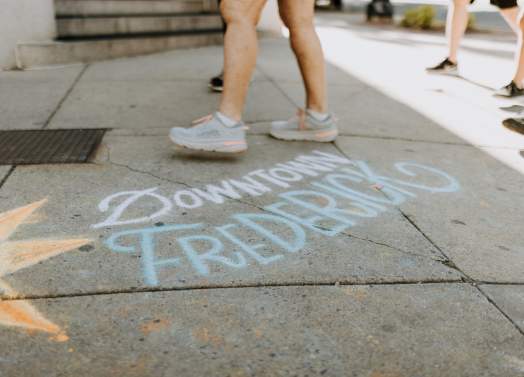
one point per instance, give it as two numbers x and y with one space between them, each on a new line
502 4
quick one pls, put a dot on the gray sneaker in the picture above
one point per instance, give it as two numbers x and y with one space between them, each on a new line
305 127
211 135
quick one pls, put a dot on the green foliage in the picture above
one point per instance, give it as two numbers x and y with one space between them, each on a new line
419 18
472 21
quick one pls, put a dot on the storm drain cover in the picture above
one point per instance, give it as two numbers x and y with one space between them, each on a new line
18 147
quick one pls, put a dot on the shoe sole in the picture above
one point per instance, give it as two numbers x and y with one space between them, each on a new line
218 89
444 73
222 147
320 136
512 125
498 95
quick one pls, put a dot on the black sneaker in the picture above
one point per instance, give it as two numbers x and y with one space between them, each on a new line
510 90
216 84
514 124
446 67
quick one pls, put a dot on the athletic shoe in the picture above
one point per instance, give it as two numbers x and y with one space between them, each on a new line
514 124
305 127
216 83
510 90
446 67
211 135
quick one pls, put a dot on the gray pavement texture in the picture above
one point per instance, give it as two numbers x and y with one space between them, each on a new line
395 251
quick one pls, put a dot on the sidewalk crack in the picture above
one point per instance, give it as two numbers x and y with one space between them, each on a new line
6 177
66 95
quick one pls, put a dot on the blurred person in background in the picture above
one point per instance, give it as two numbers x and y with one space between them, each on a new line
224 130
457 23
516 86
216 83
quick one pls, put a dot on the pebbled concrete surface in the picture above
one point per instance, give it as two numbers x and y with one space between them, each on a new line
464 225
414 330
28 99
510 298
394 294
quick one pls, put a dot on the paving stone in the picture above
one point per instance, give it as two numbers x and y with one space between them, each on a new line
408 330
378 249
510 298
367 112
27 99
277 62
478 227
144 104
3 171
390 228
179 65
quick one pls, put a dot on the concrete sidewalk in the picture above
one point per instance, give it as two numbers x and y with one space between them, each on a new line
396 251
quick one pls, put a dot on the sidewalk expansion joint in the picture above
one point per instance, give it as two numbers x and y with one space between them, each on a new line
492 302
6 177
65 96
467 279
333 283
278 87
448 262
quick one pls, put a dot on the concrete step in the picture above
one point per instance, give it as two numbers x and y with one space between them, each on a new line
110 26
30 55
132 7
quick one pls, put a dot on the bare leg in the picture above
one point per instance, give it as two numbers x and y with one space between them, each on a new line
240 52
298 17
519 74
511 16
457 22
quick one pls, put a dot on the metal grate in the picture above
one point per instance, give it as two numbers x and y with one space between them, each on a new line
18 147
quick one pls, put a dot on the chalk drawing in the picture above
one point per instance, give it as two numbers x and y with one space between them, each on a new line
347 192
16 255
280 176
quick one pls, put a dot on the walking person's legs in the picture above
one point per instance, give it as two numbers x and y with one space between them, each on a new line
511 13
240 52
224 131
456 25
314 123
216 83
519 73
298 18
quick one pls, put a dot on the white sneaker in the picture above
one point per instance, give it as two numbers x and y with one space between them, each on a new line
305 127
211 135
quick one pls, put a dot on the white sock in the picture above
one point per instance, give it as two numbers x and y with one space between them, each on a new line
318 116
227 121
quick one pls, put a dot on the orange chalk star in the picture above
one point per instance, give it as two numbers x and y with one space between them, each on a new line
16 255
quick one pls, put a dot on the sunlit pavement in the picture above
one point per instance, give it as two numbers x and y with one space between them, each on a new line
396 251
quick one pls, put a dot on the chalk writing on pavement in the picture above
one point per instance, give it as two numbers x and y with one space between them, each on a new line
341 192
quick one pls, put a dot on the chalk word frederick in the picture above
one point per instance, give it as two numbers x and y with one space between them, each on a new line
329 206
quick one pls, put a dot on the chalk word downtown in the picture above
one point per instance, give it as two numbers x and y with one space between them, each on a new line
330 205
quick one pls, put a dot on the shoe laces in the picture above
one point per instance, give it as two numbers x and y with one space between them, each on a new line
209 117
204 119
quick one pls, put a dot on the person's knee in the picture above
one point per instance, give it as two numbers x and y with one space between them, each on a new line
298 23
238 11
